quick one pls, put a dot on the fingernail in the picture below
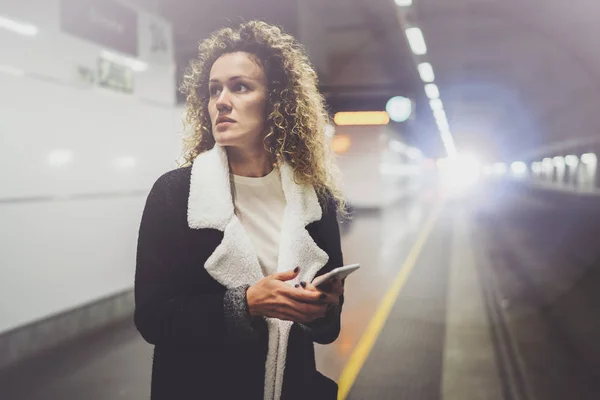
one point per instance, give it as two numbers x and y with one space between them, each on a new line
296 285
322 296
303 284
296 269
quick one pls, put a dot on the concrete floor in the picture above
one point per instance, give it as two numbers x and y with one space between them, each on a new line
465 326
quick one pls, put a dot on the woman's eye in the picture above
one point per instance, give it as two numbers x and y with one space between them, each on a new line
240 87
214 91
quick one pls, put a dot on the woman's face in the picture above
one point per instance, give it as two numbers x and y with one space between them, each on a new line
238 99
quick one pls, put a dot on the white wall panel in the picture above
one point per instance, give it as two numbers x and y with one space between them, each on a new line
69 220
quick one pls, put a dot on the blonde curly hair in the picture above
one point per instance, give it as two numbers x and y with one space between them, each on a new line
296 117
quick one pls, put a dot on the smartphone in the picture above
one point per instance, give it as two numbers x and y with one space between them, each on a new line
340 273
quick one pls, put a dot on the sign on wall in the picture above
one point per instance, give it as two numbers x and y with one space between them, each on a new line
105 22
115 76
155 40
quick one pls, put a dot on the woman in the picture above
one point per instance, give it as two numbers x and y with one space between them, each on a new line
229 243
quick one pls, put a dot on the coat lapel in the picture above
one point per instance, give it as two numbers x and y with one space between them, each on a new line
234 262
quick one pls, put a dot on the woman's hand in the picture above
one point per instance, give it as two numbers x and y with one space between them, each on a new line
332 290
272 297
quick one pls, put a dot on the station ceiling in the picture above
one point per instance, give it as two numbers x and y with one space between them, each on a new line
515 76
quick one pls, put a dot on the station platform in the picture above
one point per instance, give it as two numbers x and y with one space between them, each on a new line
492 295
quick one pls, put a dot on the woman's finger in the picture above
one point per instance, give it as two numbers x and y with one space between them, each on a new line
303 295
332 296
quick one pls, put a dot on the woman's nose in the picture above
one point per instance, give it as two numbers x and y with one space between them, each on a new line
223 103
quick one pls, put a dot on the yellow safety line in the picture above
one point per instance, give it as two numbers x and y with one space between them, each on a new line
362 350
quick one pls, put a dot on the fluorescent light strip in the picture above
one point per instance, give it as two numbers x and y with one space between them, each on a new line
361 118
436 104
440 115
432 91
22 28
403 3
416 41
426 72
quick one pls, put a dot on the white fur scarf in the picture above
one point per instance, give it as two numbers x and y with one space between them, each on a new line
234 262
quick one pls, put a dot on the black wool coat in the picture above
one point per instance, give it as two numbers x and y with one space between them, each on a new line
207 346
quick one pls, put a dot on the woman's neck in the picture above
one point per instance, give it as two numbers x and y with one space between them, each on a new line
253 164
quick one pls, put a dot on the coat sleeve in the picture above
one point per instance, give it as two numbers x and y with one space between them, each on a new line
326 330
169 309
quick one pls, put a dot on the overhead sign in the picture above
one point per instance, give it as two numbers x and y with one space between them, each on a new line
107 22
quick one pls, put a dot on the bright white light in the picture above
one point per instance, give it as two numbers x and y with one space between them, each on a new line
588 158
432 91
403 3
133 63
436 104
571 160
60 157
399 108
448 143
416 41
22 28
7 69
518 168
442 125
536 167
499 168
426 72
440 115
460 171
559 161
126 162
488 170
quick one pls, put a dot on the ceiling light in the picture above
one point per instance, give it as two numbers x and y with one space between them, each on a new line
432 91
416 41
403 3
442 124
499 168
22 28
399 108
436 104
440 115
571 160
426 72
448 143
362 118
518 168
559 161
588 158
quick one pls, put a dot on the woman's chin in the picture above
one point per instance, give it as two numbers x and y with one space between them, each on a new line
225 139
